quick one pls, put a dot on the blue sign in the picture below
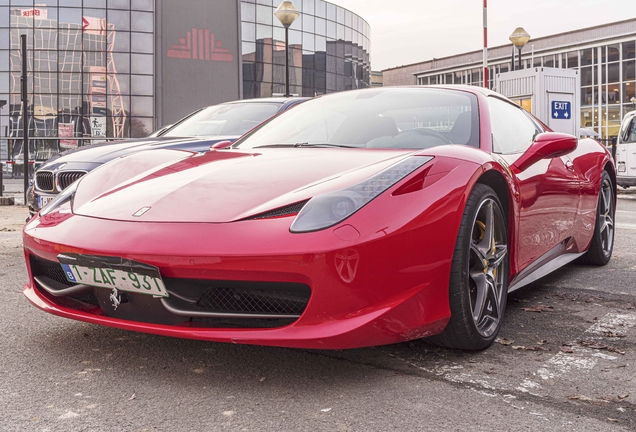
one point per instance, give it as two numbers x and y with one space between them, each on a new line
69 273
561 110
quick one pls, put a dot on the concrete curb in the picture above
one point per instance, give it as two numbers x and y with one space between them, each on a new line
12 199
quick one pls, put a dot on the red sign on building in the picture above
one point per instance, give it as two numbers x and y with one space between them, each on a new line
200 44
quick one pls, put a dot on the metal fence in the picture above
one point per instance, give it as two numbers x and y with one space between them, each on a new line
41 149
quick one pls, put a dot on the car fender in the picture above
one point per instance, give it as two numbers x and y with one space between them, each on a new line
493 171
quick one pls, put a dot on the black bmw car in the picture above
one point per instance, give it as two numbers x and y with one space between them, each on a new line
196 132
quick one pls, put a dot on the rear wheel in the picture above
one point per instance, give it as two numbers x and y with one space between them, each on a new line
479 274
602 245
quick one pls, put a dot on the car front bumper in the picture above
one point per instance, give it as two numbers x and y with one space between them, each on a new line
381 288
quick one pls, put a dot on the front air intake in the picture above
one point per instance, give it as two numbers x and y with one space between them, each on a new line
250 300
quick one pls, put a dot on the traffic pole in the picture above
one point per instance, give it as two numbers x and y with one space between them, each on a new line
486 43
25 115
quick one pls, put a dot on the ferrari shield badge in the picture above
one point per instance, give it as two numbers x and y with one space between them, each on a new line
347 261
115 298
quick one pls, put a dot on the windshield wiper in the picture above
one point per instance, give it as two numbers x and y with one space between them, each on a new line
306 144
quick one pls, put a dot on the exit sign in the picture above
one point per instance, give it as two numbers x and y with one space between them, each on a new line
561 110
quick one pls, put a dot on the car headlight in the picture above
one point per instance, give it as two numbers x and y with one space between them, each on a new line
326 210
61 198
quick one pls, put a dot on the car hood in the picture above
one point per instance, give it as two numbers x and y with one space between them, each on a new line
98 154
221 186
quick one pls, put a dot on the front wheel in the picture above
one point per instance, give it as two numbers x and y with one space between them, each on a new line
479 274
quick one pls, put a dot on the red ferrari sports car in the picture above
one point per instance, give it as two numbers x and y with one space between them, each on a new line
358 218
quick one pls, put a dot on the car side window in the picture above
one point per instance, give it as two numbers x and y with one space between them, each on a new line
512 129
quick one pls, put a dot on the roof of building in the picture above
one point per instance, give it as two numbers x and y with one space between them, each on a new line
565 39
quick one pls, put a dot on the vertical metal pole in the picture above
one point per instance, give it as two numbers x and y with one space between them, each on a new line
286 61
532 58
1 176
520 58
1 172
512 63
25 116
486 43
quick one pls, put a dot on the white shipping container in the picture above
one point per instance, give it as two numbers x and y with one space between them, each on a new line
552 95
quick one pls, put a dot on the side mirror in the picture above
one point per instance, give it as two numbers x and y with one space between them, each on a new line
546 146
221 145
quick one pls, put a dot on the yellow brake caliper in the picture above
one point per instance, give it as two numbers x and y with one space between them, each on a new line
482 232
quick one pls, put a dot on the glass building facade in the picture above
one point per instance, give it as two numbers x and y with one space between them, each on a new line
608 81
121 68
329 49
605 57
90 71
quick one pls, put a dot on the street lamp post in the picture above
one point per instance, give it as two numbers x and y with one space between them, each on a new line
286 14
519 38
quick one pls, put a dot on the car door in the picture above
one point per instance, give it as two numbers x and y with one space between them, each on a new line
548 190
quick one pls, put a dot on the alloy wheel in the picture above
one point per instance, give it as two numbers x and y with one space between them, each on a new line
488 250
606 217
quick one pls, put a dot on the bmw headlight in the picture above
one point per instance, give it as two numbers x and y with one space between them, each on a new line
326 210
61 198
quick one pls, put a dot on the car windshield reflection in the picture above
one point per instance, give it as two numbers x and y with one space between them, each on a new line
225 119
380 118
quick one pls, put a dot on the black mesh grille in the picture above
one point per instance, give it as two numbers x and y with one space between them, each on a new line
282 211
44 181
87 297
51 269
65 178
252 300
273 298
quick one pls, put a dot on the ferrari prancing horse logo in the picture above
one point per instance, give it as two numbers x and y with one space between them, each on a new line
115 298
347 261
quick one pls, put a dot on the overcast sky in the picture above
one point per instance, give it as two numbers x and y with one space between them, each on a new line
410 31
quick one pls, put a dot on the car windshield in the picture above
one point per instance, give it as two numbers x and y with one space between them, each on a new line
376 118
628 134
225 119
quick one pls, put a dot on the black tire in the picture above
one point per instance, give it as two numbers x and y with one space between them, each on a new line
479 274
602 245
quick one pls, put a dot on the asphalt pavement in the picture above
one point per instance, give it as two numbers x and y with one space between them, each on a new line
565 360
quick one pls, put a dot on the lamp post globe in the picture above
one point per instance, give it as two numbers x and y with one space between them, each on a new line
286 13
519 39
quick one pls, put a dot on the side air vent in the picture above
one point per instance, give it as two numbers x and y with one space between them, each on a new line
280 212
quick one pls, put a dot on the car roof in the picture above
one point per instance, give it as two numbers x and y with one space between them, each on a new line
283 101
269 99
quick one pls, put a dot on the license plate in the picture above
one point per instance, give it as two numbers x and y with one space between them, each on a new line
44 200
110 272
